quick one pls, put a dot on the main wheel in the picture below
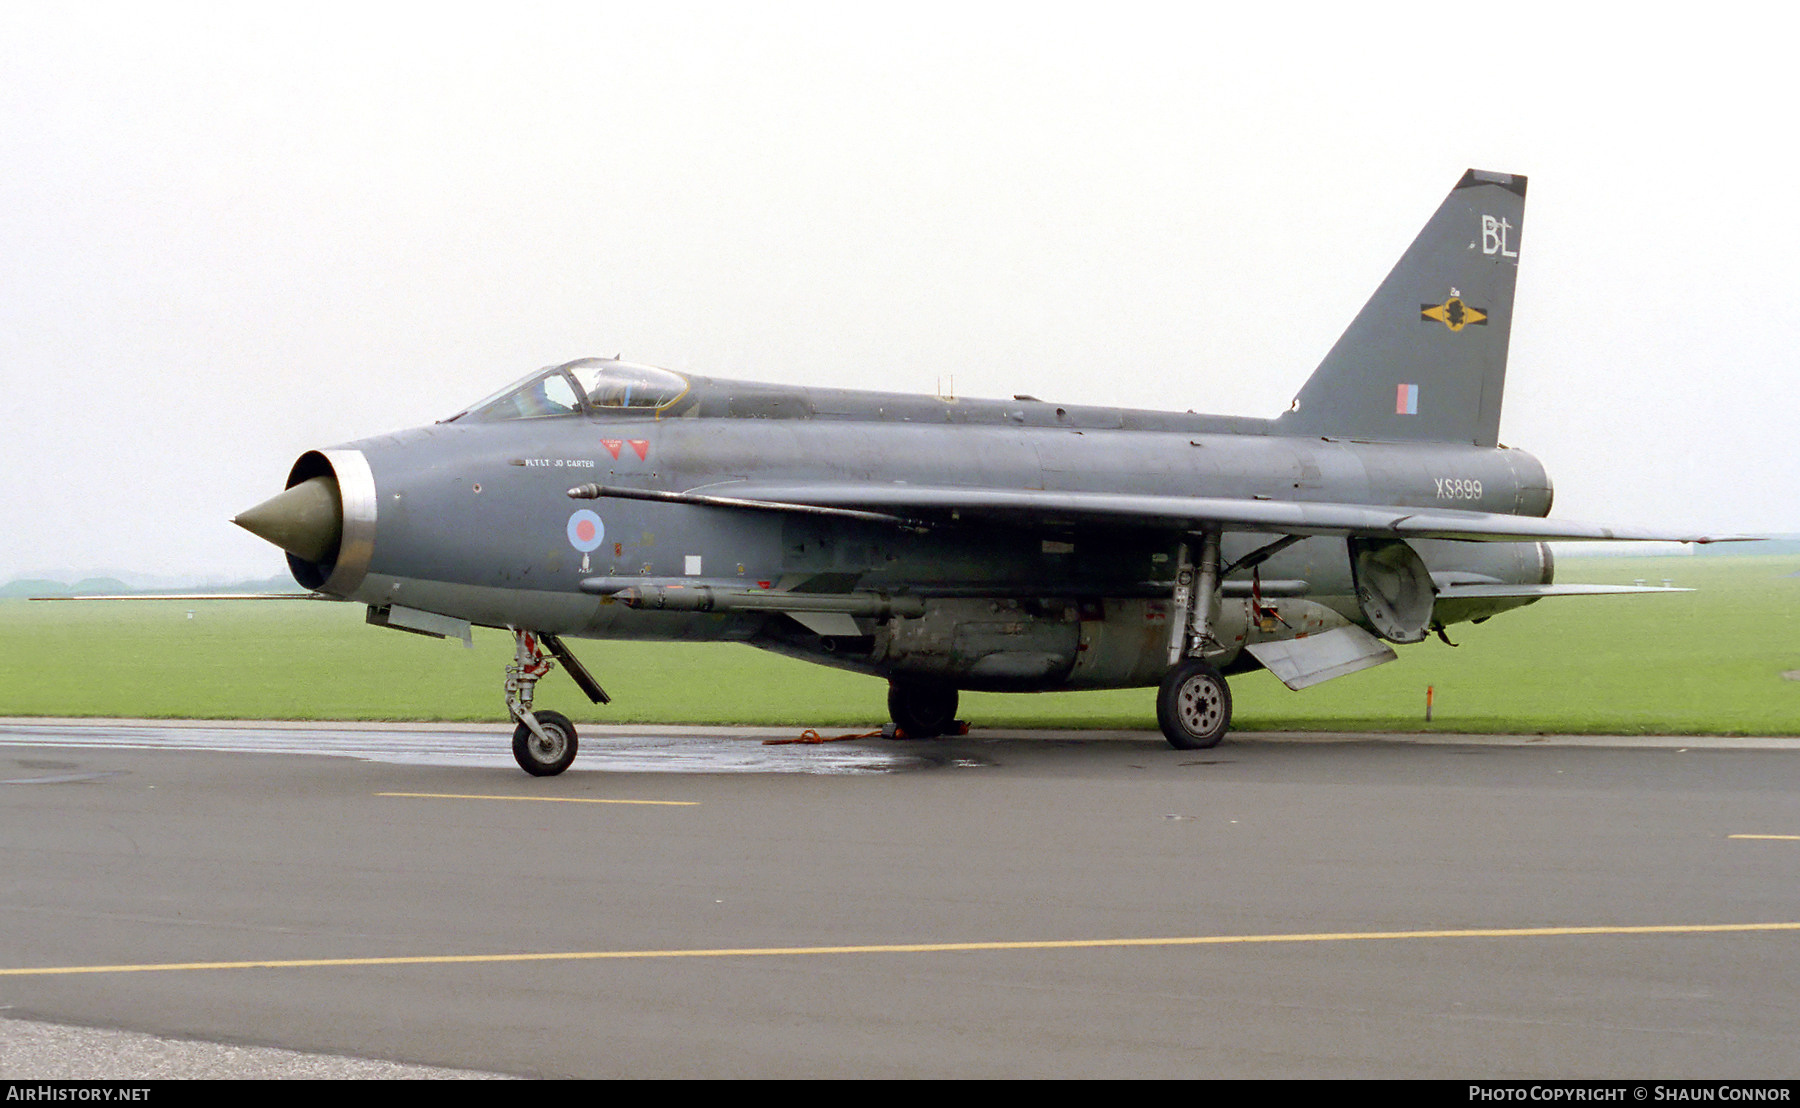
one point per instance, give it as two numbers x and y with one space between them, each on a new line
922 711
1193 706
540 758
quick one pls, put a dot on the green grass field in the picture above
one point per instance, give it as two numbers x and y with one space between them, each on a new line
1707 662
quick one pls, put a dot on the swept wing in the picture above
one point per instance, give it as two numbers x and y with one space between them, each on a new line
907 504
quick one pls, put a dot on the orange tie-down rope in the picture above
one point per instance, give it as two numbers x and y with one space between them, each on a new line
889 731
809 736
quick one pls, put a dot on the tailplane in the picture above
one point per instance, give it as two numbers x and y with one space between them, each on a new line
1425 360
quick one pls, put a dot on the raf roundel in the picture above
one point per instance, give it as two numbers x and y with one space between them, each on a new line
586 532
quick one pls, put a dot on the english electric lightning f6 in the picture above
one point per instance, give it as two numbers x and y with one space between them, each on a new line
946 544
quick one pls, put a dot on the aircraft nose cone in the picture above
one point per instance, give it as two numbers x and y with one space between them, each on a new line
307 520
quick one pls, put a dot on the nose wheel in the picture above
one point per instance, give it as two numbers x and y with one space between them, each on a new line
547 751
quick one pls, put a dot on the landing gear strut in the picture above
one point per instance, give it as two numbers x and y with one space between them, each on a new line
544 743
1193 705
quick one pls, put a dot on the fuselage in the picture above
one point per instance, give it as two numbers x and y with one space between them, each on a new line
472 519
948 544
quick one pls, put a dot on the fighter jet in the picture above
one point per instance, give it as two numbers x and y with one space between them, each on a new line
945 543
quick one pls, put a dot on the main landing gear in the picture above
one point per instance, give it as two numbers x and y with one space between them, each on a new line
1193 704
544 743
920 710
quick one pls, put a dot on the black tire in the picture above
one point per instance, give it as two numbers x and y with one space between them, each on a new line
1193 707
922 711
537 759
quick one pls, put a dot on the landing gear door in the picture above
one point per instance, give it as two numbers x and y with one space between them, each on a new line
1303 663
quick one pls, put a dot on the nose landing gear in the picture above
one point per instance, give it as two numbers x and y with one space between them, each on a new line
544 743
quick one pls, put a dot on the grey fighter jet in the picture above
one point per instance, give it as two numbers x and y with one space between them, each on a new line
946 544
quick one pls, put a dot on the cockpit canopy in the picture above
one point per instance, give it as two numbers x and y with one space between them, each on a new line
597 386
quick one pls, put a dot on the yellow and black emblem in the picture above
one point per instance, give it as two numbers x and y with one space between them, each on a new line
1453 313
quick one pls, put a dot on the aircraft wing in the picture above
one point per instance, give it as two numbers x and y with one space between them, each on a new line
197 596
1499 591
909 504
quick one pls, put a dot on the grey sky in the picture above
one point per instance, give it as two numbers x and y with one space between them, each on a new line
232 233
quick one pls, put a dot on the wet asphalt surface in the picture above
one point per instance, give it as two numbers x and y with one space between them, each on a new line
690 902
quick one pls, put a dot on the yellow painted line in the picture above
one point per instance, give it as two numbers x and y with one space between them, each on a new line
547 799
1788 838
914 948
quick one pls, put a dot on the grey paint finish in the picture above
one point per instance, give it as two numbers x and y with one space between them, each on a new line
1035 544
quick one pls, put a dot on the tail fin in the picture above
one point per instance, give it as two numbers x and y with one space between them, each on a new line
1425 360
